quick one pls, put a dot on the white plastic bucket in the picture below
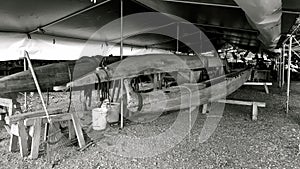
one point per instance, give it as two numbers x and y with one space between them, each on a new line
99 118
113 113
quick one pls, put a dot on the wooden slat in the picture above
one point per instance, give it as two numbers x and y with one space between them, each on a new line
54 118
15 118
78 130
239 102
36 136
22 139
258 83
7 103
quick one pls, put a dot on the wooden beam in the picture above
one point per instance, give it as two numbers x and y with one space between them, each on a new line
254 105
7 103
36 136
55 118
15 118
258 83
239 102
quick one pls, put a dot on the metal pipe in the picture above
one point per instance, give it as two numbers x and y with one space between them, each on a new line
289 75
26 55
283 66
222 5
25 93
203 3
280 69
177 39
121 55
68 17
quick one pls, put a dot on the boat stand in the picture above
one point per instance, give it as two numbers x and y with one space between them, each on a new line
265 84
254 105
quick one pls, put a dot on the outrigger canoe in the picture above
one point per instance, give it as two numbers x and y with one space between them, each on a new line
84 69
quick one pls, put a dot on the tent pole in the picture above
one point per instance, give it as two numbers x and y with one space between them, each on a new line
25 93
289 74
121 55
177 40
283 66
68 16
279 69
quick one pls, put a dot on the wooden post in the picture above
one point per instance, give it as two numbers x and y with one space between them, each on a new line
78 130
22 138
160 81
36 136
266 88
204 109
13 143
72 133
254 111
155 82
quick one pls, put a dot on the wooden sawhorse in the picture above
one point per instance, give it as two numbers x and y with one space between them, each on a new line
265 84
35 120
254 105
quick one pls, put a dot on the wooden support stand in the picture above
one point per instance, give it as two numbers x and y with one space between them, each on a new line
254 105
265 84
8 103
35 120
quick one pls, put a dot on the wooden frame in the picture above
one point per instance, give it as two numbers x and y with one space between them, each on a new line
254 105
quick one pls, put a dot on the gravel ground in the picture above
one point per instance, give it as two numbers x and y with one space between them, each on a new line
237 142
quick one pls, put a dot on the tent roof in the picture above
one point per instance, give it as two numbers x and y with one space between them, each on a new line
223 21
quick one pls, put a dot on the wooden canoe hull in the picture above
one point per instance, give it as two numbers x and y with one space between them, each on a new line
177 98
49 75
147 64
85 73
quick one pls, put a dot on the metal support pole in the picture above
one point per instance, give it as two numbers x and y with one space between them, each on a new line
283 66
68 16
25 93
279 69
26 55
177 42
121 55
289 74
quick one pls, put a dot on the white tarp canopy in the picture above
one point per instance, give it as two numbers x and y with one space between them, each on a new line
44 47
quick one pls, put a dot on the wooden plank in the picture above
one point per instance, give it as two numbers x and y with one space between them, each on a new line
13 143
258 83
72 133
54 118
266 89
15 118
36 136
254 112
78 130
204 109
22 139
7 103
239 102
